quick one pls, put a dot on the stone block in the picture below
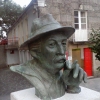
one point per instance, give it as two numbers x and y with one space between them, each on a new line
63 18
43 10
29 94
54 10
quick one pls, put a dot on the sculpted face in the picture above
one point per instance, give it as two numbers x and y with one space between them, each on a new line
53 49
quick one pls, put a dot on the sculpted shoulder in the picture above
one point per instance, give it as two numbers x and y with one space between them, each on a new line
26 68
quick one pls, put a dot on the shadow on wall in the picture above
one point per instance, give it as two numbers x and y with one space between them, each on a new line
3 61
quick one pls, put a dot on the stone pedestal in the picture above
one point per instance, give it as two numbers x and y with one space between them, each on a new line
29 94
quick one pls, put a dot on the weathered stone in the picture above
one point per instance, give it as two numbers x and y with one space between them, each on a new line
57 17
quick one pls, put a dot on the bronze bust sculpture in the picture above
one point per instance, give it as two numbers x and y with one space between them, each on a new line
48 71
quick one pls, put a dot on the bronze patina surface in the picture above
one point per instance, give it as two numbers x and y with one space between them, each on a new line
49 71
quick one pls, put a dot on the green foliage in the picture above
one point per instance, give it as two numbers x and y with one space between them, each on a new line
94 45
9 12
95 42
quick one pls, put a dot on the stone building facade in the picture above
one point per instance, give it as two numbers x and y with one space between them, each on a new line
83 15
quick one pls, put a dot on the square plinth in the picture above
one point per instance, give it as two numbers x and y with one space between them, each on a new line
29 94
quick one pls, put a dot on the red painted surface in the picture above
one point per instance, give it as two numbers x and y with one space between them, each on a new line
66 55
88 61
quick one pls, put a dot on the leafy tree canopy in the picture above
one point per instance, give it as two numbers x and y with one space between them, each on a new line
95 42
9 13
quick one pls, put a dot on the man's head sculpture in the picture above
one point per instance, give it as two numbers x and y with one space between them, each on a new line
42 29
48 70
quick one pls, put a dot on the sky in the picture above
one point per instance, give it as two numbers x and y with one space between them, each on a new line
22 2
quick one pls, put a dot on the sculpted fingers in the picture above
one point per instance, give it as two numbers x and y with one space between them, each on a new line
76 71
74 64
82 75
81 72
85 77
69 64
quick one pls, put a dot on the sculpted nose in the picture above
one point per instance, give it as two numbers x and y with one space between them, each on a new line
60 50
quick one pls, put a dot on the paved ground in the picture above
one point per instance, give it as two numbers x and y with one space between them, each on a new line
10 82
93 83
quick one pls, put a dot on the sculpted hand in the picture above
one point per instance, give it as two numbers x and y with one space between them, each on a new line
72 76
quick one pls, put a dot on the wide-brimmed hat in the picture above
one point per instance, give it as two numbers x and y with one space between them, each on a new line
44 25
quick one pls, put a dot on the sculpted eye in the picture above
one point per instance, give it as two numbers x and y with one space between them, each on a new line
64 43
52 44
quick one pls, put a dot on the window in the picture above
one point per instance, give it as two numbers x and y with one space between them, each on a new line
80 19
